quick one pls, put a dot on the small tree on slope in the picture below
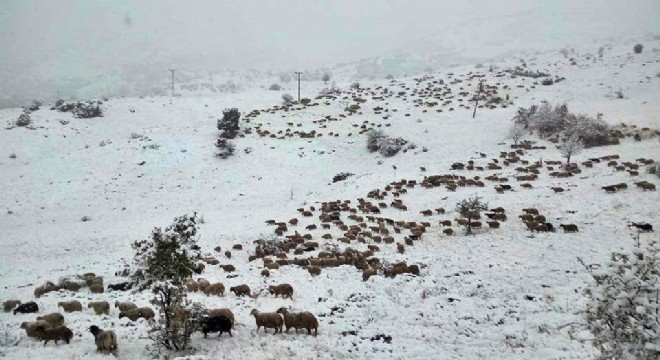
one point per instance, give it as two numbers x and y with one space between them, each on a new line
572 146
162 263
622 312
516 132
471 209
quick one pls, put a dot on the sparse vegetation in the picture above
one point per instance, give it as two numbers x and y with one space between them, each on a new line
516 133
471 209
275 87
622 312
570 147
161 264
287 99
548 120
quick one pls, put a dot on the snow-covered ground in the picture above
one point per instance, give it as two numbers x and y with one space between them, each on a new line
500 294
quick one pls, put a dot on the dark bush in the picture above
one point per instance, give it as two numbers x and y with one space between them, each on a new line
24 120
275 87
225 148
229 123
638 48
341 177
305 101
373 137
87 110
81 110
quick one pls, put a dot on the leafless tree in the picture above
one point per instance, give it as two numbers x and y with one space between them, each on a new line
572 146
516 132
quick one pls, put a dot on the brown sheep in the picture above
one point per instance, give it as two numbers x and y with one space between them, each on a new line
448 231
557 189
268 320
569 228
9 305
228 268
30 327
191 285
215 289
531 211
369 272
499 217
445 222
100 307
124 306
70 306
135 314
301 320
285 290
54 333
202 284
493 224
241 290
542 227
53 319
314 270
44 289
265 273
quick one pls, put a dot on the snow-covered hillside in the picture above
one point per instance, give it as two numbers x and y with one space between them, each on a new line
499 294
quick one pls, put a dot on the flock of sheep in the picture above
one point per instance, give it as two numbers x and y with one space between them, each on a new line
51 326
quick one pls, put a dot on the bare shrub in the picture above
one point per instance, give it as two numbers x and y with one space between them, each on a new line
570 147
287 99
638 48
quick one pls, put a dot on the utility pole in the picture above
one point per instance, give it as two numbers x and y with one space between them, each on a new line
172 70
298 73
476 98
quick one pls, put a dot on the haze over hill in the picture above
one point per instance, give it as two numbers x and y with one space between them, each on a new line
84 49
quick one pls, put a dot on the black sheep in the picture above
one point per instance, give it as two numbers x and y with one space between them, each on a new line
550 227
643 227
216 324
124 286
27 308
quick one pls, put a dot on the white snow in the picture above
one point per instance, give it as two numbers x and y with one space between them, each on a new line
500 294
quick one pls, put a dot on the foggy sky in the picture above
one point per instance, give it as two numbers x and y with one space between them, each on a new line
53 44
